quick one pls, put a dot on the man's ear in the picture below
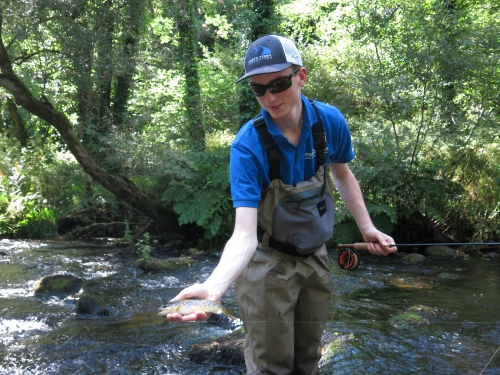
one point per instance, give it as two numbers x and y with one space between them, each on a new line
302 74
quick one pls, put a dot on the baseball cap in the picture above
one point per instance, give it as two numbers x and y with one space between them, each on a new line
270 54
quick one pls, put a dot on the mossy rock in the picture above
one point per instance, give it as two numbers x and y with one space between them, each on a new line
407 320
444 252
420 314
414 259
333 347
158 265
59 285
432 314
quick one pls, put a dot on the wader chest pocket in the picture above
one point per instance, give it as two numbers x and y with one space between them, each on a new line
300 216
304 220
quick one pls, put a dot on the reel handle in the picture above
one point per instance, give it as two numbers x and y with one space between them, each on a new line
358 246
354 246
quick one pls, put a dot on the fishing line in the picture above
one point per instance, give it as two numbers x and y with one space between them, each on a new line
491 359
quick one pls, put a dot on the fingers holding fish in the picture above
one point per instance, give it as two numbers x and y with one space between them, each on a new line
197 316
193 310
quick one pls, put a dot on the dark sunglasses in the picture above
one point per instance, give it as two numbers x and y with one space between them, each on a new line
281 84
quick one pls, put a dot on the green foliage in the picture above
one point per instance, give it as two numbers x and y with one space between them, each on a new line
309 21
144 248
22 213
127 236
203 197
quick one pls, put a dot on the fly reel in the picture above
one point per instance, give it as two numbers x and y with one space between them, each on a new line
348 259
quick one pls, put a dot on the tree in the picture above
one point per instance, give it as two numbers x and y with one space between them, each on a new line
43 108
186 24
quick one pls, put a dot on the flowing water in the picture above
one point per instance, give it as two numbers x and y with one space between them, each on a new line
44 335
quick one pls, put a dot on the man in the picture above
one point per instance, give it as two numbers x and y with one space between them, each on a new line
283 283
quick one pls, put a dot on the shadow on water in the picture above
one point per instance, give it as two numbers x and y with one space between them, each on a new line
44 335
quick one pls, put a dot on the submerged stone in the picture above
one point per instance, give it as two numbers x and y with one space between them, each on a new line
227 350
420 314
407 320
448 276
414 259
433 314
493 255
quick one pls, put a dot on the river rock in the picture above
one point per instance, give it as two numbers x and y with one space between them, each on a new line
332 347
414 259
58 285
156 265
226 350
407 320
420 314
444 252
89 304
100 296
493 255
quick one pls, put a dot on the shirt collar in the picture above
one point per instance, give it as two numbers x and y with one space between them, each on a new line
309 118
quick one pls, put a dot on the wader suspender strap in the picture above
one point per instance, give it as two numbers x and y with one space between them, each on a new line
271 147
273 157
274 165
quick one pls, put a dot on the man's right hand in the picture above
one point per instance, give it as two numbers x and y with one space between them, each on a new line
201 291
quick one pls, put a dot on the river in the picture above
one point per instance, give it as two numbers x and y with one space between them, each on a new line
44 335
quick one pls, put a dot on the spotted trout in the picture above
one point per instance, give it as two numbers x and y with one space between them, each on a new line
189 306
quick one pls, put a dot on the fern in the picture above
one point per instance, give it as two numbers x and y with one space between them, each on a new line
383 210
346 232
204 196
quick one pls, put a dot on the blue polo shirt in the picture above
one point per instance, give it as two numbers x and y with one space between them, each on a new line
249 169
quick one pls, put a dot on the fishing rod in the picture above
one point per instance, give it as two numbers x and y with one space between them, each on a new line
349 258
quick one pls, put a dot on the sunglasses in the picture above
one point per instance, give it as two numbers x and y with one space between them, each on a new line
280 85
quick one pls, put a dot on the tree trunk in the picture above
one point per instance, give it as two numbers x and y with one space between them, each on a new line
133 21
19 131
186 23
122 188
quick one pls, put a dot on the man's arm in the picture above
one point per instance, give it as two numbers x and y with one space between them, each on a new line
350 192
237 253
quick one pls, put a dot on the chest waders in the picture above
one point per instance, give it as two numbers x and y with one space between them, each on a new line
295 219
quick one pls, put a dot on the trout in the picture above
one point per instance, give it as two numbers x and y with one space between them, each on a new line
189 306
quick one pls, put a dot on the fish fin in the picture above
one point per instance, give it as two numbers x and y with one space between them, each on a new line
179 307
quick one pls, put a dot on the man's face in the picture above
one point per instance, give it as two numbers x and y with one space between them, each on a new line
281 105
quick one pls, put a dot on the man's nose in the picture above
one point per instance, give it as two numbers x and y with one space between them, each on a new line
269 95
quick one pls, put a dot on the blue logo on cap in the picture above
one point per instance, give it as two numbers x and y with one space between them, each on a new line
261 51
259 54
